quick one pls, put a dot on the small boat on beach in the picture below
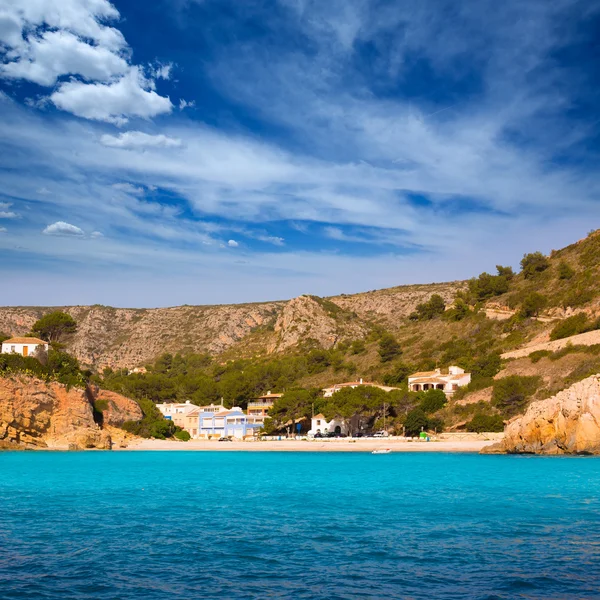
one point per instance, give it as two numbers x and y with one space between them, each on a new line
381 451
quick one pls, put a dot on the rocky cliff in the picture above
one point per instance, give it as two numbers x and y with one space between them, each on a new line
568 423
34 413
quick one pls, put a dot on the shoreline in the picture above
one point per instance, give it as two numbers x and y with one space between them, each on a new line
368 445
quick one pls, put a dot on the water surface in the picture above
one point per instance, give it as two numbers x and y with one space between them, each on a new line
161 525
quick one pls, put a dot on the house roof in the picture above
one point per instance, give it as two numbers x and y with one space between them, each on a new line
319 416
269 397
429 380
24 340
423 374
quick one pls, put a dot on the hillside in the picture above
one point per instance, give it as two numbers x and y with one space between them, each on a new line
524 336
127 338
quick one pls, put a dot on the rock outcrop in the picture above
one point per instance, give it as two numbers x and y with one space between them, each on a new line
313 319
568 423
37 414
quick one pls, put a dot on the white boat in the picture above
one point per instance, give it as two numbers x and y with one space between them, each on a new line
381 451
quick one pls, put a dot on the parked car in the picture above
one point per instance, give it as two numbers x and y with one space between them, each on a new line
225 439
381 434
318 435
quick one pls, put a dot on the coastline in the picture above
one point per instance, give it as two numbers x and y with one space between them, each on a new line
344 445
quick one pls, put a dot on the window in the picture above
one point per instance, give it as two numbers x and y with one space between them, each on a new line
318 422
13 348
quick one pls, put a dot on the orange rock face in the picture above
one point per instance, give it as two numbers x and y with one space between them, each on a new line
48 415
568 423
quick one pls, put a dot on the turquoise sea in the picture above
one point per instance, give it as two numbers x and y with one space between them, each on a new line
161 525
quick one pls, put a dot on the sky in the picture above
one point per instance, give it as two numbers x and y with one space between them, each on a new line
217 151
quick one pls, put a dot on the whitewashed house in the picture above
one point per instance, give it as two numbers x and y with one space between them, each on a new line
437 380
319 424
25 346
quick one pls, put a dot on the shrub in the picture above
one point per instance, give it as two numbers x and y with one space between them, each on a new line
570 326
358 347
398 376
480 423
565 271
533 304
533 264
511 393
416 421
389 348
183 435
432 401
538 355
487 286
426 311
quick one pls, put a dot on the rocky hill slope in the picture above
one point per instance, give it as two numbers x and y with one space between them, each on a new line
127 338
568 423
49 415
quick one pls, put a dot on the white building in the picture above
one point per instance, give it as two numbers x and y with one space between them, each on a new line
330 391
176 411
319 424
25 346
436 380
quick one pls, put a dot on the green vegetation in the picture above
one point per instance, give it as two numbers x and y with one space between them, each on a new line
59 366
565 271
416 421
432 401
426 311
533 264
153 424
572 326
182 435
533 304
54 326
487 286
481 423
389 348
510 394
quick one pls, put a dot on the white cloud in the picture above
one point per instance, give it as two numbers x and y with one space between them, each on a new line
138 139
8 214
161 70
3 230
57 53
232 244
113 102
78 41
96 234
61 228
271 239
183 104
128 188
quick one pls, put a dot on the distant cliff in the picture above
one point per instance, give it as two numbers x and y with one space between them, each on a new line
568 423
37 414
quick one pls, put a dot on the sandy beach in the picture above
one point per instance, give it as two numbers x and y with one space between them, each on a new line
343 445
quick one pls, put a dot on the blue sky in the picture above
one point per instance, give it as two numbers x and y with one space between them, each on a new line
216 151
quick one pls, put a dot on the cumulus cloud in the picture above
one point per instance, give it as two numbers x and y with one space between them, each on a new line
57 53
112 102
140 140
96 234
60 228
44 41
232 244
5 213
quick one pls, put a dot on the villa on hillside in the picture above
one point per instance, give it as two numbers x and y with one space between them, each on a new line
25 346
329 391
436 380
259 407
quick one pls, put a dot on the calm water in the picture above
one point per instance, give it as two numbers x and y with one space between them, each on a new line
244 525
